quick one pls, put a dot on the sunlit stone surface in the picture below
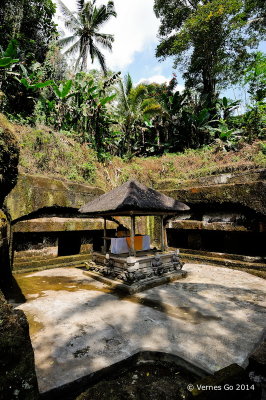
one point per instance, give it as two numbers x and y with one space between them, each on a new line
212 318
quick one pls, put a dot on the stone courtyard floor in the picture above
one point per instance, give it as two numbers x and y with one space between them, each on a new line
212 318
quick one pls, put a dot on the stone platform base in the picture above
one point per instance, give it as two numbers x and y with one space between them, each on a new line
138 286
136 273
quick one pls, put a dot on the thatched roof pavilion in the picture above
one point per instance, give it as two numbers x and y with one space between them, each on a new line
133 199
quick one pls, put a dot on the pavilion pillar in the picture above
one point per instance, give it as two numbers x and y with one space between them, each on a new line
104 236
162 234
132 235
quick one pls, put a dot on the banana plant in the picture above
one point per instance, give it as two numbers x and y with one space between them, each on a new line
226 107
91 116
63 93
227 137
8 60
7 56
30 81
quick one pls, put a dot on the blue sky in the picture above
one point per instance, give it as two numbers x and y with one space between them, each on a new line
136 30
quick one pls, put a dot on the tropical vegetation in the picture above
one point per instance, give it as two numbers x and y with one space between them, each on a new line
215 43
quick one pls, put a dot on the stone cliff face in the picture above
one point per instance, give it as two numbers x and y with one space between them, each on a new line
44 215
33 193
5 237
17 373
9 156
228 213
243 189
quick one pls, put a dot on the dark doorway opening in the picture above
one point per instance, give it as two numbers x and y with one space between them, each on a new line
68 244
242 243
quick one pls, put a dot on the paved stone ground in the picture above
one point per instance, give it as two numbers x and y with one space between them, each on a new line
212 318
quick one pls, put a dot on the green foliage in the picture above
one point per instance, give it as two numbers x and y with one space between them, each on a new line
255 76
63 90
135 109
226 138
173 169
7 62
260 159
226 106
115 118
30 81
43 151
28 25
7 57
211 39
82 104
254 121
263 148
89 171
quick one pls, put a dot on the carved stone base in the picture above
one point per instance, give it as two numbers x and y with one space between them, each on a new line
137 272
140 286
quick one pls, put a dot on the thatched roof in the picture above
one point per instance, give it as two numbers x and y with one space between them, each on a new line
133 198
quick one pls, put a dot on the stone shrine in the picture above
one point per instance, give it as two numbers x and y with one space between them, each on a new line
128 258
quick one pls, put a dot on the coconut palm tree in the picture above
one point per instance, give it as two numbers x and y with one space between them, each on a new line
85 25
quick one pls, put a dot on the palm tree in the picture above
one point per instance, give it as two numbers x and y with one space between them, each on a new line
134 107
85 37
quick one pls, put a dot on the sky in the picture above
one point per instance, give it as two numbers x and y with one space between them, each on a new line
135 29
136 36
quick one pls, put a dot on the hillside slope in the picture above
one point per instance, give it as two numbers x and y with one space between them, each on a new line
49 153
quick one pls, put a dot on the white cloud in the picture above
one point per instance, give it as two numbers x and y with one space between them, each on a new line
154 79
134 29
160 79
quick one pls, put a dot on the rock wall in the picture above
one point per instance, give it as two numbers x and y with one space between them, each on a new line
33 193
246 189
9 156
44 213
5 237
17 372
228 213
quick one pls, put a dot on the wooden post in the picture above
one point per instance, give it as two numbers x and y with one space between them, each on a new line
165 236
162 235
104 236
134 224
132 236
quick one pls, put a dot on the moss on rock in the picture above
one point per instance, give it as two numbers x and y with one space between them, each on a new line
34 192
251 195
5 270
9 156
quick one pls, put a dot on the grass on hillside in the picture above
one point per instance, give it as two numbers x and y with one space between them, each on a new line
58 155
54 154
192 164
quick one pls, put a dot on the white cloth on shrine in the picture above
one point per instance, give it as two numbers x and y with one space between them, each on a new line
120 245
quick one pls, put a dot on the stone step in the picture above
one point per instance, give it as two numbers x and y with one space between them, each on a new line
223 262
35 269
227 256
50 261
26 258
